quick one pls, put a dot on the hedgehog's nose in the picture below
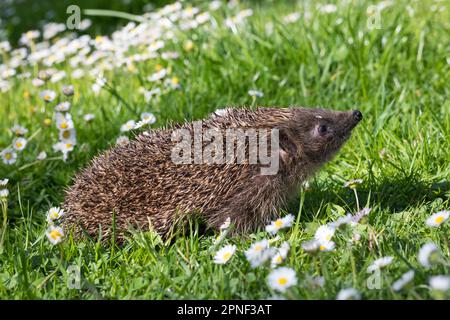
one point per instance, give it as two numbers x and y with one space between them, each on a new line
357 115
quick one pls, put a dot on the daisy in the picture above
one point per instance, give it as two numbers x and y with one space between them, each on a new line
122 140
427 254
54 213
256 248
356 238
63 107
255 93
279 224
170 55
148 117
223 231
174 83
8 156
224 255
311 246
47 121
4 85
202 17
67 146
327 8
58 76
19 130
326 246
64 147
437 219
348 294
215 5
440 283
4 182
292 17
155 46
4 193
341 221
5 46
88 117
226 224
282 278
149 94
406 278
69 134
380 263
352 183
48 95
55 234
98 85
77 73
280 254
19 144
42 156
258 253
157 75
129 125
359 215
68 90
64 121
324 233
188 45
44 74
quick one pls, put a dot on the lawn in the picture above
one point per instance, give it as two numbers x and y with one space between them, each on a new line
391 61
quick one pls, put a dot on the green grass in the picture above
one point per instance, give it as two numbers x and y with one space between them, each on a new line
395 75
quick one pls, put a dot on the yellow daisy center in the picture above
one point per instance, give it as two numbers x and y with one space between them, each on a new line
227 256
175 80
322 247
66 134
8 156
47 97
55 234
19 144
158 67
68 145
439 219
278 223
258 248
64 125
279 259
328 237
47 121
282 281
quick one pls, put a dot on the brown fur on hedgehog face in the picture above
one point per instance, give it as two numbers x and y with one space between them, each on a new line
318 134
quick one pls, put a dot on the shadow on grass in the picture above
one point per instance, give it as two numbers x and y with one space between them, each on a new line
393 195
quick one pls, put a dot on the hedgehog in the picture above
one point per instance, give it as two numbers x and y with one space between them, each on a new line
156 181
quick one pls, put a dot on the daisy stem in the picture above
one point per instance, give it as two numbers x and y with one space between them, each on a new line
352 260
38 161
34 134
356 197
5 222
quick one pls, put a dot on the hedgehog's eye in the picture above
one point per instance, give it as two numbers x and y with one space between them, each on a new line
322 129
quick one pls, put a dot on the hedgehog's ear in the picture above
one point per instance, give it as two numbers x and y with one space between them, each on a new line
288 148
